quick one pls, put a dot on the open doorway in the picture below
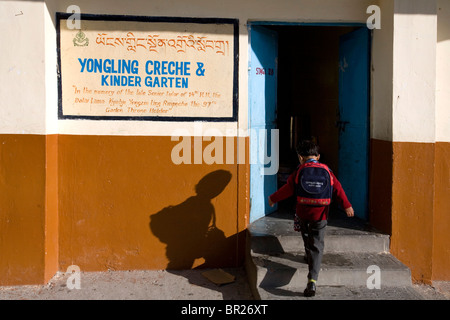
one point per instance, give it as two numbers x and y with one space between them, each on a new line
322 90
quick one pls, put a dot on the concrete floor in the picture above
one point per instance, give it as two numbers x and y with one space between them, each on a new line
135 285
174 285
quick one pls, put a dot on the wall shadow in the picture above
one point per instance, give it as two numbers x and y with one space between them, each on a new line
190 232
189 229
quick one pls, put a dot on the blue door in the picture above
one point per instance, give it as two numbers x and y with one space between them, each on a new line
354 62
262 117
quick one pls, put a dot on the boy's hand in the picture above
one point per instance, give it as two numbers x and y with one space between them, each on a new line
349 211
271 203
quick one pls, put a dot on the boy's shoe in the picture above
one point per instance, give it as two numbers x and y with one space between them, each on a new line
310 290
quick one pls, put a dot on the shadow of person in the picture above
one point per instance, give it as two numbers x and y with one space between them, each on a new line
189 229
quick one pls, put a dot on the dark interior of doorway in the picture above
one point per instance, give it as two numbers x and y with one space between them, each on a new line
308 93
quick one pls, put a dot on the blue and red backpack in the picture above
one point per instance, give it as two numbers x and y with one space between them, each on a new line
314 184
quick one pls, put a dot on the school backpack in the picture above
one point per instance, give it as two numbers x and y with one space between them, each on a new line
314 184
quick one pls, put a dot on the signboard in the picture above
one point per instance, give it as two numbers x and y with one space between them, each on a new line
148 68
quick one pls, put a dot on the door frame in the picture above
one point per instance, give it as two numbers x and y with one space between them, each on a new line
251 23
268 182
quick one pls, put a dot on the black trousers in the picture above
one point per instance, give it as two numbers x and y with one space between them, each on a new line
313 233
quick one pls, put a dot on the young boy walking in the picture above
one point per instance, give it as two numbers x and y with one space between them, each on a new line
314 185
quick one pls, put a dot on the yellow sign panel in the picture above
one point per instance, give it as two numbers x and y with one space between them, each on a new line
141 68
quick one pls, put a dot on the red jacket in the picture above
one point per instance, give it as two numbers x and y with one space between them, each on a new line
311 213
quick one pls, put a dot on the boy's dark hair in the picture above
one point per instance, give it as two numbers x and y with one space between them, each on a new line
307 148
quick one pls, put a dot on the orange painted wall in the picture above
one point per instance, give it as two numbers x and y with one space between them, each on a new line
413 206
380 185
91 200
409 188
112 187
22 209
51 207
441 222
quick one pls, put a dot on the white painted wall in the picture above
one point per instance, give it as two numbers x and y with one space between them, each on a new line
410 92
414 70
51 82
22 61
443 72
381 76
